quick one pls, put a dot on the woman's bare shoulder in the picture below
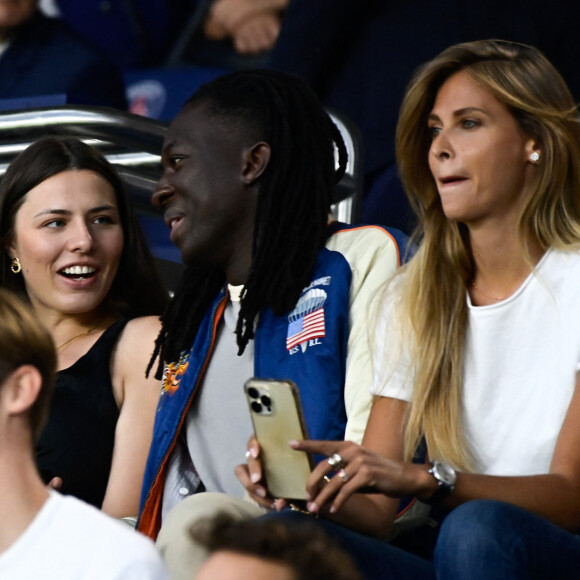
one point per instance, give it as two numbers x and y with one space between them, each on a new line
141 329
138 338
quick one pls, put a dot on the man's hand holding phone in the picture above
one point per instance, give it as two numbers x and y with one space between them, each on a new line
275 470
251 475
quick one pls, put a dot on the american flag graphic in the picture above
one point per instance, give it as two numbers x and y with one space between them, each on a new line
305 328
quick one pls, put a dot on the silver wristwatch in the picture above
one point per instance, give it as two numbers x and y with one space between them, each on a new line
446 477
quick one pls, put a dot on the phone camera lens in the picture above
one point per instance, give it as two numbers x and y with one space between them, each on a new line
266 401
253 393
256 407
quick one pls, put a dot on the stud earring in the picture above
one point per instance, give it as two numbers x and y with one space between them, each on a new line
15 266
535 157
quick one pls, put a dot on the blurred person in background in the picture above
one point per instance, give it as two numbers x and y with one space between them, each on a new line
132 33
42 56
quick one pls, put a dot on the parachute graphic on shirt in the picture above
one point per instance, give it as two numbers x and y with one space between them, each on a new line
306 321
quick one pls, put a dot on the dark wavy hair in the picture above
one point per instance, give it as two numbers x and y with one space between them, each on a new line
137 289
301 547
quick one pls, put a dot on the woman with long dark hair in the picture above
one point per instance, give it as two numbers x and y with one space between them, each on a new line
73 248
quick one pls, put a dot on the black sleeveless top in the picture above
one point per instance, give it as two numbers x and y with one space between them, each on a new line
77 441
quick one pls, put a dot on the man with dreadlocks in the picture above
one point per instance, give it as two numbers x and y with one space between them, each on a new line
249 171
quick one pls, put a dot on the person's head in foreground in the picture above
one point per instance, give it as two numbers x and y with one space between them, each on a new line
45 533
263 549
27 369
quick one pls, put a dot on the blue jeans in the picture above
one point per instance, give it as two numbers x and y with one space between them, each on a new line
490 539
375 559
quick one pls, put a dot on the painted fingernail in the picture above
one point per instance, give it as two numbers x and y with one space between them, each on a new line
254 452
255 477
312 507
261 491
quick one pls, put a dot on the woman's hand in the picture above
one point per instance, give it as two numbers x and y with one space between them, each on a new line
356 469
251 475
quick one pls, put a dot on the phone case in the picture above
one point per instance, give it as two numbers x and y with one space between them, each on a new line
277 418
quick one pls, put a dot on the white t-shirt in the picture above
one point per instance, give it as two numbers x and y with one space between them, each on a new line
521 364
71 540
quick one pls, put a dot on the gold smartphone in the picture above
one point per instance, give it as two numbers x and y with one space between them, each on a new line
277 418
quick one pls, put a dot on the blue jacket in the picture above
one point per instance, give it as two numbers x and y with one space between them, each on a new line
317 366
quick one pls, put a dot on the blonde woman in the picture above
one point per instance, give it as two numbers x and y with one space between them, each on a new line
478 341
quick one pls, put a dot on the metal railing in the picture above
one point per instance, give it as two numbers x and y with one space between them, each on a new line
133 143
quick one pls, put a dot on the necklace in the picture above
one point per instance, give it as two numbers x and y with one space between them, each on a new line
496 298
71 340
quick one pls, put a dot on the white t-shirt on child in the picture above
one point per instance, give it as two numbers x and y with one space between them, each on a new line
71 540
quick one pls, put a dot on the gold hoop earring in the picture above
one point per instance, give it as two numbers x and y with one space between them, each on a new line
15 266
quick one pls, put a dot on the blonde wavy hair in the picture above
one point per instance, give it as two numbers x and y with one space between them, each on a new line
433 308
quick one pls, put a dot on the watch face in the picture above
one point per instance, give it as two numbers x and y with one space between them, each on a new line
445 473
